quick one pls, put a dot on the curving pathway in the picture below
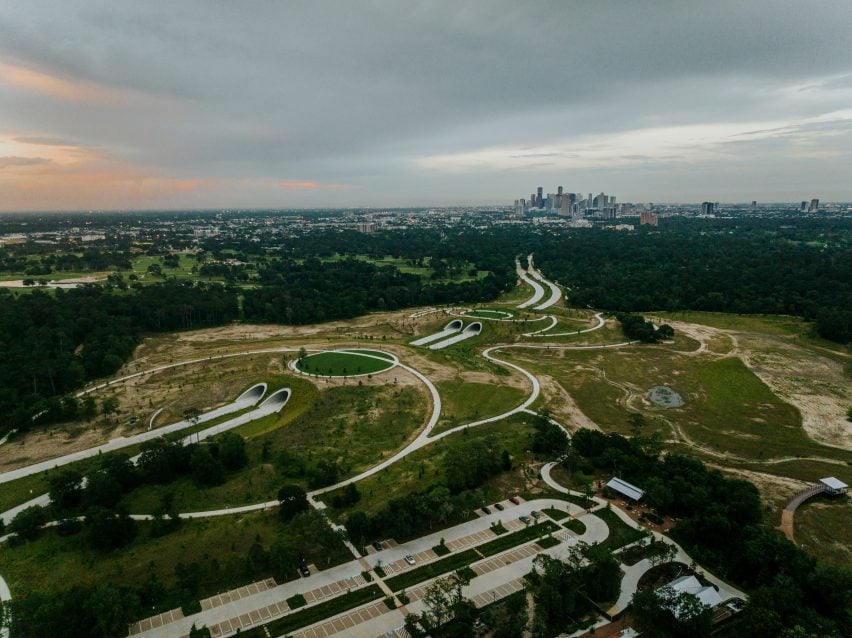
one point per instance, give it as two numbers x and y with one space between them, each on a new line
247 399
555 291
538 291
599 323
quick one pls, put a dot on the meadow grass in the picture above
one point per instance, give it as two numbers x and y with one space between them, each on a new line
465 402
422 469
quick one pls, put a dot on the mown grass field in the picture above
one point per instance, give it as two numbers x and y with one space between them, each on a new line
342 364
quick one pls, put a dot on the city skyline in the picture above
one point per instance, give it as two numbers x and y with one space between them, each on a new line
210 105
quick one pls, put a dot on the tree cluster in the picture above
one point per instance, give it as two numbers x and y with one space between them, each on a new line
720 523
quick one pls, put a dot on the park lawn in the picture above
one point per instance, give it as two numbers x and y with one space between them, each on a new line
467 402
620 533
183 272
822 528
372 353
355 425
341 364
751 419
219 544
425 271
421 470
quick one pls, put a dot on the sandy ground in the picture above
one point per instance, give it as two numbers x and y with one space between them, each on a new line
562 406
815 384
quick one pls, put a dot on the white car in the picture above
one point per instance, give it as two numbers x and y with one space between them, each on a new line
409 559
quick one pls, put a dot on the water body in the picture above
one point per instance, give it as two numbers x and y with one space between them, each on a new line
664 397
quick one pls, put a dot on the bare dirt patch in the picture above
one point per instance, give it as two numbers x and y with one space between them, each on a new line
816 385
562 405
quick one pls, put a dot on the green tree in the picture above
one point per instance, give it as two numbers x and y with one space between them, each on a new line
206 469
28 522
292 500
66 489
232 450
109 406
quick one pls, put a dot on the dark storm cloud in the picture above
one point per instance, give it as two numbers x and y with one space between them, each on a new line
383 95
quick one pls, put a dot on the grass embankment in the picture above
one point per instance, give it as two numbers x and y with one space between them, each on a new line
148 498
355 426
422 469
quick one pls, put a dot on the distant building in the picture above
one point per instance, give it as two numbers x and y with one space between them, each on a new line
804 207
648 219
366 227
814 207
708 208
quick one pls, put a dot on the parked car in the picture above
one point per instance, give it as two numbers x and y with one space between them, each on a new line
377 546
486 510
535 514
304 571
409 559
515 500
499 507
525 519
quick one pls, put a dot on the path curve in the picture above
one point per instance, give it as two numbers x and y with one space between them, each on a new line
600 324
538 291
793 504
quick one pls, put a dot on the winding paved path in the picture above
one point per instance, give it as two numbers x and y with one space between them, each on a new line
538 291
555 291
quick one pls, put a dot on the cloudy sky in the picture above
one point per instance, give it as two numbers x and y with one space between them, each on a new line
120 105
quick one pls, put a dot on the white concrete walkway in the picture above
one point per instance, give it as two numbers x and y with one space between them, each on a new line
538 291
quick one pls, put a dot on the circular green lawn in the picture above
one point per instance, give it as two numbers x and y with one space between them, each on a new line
489 314
345 363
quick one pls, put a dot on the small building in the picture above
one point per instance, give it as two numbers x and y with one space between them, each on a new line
706 595
625 489
834 486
